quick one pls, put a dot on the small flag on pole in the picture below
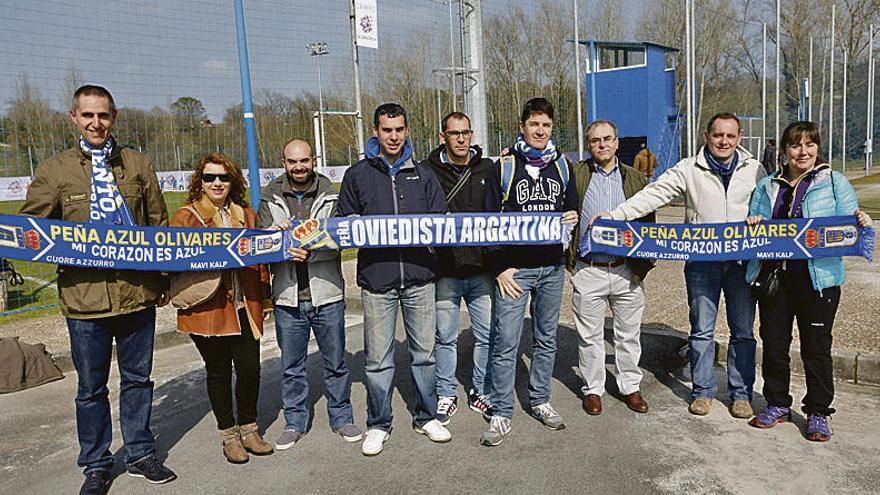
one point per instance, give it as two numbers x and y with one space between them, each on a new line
366 24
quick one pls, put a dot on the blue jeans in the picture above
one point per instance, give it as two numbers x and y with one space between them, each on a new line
705 281
380 320
477 292
292 329
545 286
91 345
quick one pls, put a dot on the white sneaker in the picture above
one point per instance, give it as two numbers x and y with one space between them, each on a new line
499 428
547 415
435 431
373 442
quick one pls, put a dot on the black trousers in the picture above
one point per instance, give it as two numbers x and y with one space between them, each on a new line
815 313
220 355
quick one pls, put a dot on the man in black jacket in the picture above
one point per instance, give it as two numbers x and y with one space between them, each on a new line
388 182
462 271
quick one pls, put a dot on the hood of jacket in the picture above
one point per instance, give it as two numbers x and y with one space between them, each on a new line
373 150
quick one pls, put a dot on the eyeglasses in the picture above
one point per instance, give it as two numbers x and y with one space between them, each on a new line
603 140
209 178
458 134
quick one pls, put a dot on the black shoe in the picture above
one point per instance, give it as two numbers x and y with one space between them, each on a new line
151 469
96 483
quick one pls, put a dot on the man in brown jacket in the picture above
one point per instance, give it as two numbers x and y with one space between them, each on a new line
103 305
645 162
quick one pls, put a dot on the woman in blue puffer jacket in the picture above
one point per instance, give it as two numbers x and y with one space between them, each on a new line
809 290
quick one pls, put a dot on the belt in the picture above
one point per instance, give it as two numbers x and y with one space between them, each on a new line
607 264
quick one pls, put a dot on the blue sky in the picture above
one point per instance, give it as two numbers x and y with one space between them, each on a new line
150 53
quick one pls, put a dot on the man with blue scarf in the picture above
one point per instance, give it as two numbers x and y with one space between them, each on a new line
389 182
99 181
717 185
537 179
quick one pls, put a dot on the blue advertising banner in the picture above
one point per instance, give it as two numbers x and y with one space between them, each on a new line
187 249
800 238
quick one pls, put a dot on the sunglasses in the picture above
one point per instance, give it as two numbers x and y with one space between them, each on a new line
209 178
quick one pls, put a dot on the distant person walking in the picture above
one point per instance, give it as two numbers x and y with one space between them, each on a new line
645 161
769 159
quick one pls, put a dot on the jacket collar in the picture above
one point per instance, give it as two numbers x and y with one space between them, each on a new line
742 156
114 153
208 211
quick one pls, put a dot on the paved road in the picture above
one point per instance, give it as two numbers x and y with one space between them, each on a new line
664 451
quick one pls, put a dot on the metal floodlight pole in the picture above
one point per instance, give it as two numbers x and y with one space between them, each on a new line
359 117
452 59
778 62
247 106
831 92
843 135
594 66
688 76
869 127
577 81
810 87
695 105
764 86
319 49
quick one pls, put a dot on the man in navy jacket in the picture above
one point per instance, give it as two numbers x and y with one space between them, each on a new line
389 182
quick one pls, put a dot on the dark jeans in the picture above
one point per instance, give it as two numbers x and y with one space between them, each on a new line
292 329
815 313
220 354
91 346
705 281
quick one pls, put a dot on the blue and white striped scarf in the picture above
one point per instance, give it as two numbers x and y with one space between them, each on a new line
536 158
107 203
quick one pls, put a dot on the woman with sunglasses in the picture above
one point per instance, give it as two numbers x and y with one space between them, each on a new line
223 311
808 290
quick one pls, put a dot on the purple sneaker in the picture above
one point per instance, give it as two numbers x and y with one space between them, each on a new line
817 428
770 417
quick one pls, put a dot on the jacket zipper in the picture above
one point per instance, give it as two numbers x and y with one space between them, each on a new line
397 212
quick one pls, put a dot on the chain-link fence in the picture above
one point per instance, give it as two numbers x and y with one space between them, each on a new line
173 69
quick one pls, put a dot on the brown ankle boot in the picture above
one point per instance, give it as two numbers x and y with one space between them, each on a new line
232 447
253 442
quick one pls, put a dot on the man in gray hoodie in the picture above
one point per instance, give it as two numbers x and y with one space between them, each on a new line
308 293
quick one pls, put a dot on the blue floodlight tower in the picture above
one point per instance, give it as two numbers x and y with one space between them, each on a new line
633 85
247 107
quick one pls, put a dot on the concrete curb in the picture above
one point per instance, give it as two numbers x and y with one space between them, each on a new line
853 367
666 342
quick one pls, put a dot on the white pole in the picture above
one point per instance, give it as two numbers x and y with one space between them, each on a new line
763 88
321 115
316 125
831 93
869 132
843 135
578 79
687 78
872 70
359 118
810 86
778 62
694 110
452 59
